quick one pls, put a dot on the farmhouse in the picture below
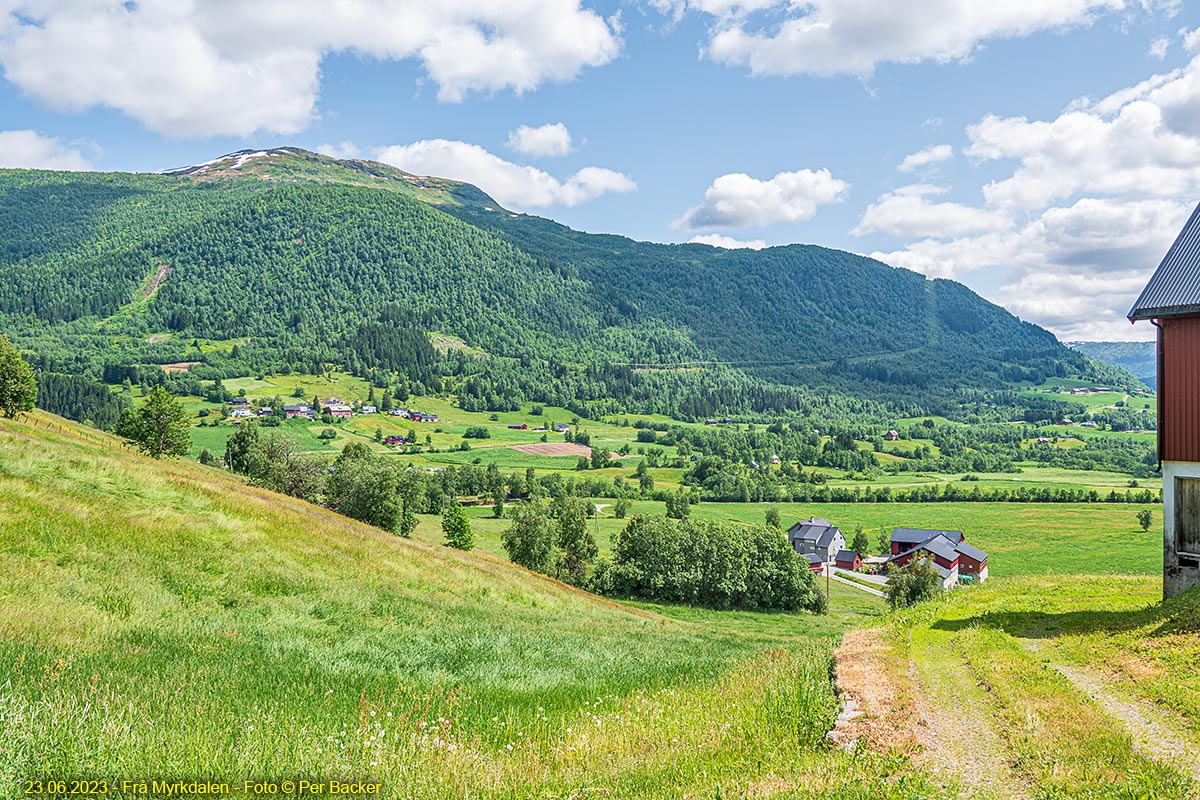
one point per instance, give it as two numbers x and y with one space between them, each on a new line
940 552
1171 302
891 436
906 538
848 559
947 550
816 536
337 410
241 411
238 401
297 411
394 440
369 410
518 426
815 562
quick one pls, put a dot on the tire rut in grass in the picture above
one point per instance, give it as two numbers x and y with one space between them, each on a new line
1152 736
954 731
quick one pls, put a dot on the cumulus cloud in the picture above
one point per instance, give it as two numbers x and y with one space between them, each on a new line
923 158
739 201
1158 48
512 185
225 67
30 150
1094 198
344 149
827 37
541 142
908 212
727 242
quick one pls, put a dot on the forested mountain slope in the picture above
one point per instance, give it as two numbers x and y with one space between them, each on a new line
283 260
1137 358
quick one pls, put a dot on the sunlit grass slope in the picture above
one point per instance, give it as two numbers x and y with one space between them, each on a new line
164 620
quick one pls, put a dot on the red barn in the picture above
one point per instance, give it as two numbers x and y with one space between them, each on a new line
848 559
815 563
1171 302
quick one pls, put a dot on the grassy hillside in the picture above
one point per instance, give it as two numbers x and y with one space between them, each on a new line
164 620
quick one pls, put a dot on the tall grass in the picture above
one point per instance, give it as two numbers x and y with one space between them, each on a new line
165 620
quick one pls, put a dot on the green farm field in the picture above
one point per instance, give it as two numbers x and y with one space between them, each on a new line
1020 538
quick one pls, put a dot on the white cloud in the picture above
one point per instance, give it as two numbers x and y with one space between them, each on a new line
1158 48
727 242
827 37
739 201
541 142
30 150
908 212
1095 196
344 150
226 67
923 158
512 185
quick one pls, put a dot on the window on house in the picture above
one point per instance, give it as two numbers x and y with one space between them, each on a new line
1187 516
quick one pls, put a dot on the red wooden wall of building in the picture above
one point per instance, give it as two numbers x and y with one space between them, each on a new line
1179 389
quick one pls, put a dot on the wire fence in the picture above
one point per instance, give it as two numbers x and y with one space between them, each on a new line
60 428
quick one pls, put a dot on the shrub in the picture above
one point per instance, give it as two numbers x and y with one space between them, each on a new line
912 583
457 527
529 538
477 432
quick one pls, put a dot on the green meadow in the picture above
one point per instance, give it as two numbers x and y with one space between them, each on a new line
165 620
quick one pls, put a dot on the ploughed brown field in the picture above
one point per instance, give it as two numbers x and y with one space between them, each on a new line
181 366
553 449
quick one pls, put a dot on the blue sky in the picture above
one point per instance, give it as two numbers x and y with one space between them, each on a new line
1043 153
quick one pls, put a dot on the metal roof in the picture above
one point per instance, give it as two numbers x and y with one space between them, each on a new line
918 535
939 546
1174 289
973 553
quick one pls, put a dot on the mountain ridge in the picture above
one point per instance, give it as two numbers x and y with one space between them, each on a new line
295 261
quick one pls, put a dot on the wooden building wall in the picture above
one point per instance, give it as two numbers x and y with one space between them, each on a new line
1179 389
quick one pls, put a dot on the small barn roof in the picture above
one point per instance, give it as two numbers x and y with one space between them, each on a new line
973 553
846 555
1174 289
813 558
939 545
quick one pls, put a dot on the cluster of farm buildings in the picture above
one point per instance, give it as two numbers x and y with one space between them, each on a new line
240 407
824 545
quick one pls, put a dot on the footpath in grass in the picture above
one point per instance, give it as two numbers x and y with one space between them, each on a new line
1065 687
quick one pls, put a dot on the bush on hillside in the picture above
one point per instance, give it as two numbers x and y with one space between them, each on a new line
912 583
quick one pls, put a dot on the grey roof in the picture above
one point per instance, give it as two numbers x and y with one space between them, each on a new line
809 530
939 545
813 558
918 535
973 553
1174 289
846 555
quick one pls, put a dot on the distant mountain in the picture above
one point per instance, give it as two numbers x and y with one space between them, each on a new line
285 260
1136 358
